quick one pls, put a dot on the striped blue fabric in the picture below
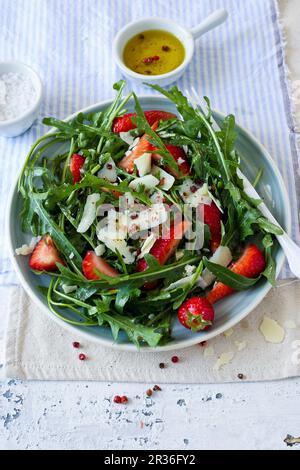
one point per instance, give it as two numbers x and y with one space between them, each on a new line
240 66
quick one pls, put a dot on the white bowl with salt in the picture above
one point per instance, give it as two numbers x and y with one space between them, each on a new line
20 98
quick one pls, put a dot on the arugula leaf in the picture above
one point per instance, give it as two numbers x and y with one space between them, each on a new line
268 227
231 279
228 136
125 293
186 111
143 124
46 224
270 270
136 332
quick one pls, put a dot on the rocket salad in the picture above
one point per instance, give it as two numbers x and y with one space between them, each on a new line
142 218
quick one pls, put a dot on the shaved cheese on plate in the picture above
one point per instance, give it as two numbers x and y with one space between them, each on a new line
185 189
119 245
127 137
148 181
157 197
200 196
89 213
147 245
25 249
143 164
112 233
68 289
221 256
166 180
100 249
272 331
180 283
109 171
147 218
113 226
194 194
216 201
179 254
126 201
132 146
189 269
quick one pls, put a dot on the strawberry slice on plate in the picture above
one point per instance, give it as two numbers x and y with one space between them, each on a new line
125 124
45 255
91 262
164 248
196 314
250 264
144 146
180 158
76 163
212 218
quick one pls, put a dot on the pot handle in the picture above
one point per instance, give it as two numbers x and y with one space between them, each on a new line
214 19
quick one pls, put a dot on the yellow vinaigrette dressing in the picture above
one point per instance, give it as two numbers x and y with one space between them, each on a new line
153 52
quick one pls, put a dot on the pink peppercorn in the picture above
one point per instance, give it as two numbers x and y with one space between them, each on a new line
117 399
175 359
76 345
82 357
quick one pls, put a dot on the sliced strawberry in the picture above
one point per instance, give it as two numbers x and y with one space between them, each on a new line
250 264
178 154
76 163
212 218
45 255
196 314
125 124
144 146
164 248
91 262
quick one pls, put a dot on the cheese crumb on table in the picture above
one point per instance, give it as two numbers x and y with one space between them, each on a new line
209 351
224 358
228 332
240 345
271 330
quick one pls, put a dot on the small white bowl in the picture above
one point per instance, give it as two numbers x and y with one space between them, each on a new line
186 36
20 124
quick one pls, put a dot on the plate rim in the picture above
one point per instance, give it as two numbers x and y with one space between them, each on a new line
130 347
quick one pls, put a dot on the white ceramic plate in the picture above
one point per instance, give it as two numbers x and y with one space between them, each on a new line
230 310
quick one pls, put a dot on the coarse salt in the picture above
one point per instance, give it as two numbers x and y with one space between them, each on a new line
17 95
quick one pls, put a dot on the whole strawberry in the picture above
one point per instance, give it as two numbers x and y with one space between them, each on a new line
196 314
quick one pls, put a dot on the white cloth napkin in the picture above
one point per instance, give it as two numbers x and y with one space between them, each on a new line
38 348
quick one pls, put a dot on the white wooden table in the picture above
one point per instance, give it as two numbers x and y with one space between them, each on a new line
72 415
76 415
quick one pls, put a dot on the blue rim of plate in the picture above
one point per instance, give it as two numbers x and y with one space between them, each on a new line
195 339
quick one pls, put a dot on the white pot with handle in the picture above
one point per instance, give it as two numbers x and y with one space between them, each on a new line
186 36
